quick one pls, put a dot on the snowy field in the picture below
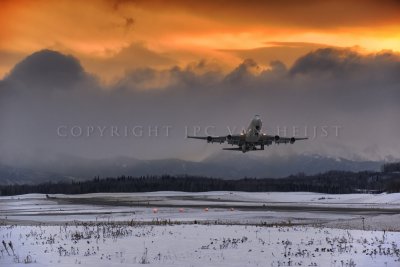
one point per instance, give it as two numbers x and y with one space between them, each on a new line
197 245
200 229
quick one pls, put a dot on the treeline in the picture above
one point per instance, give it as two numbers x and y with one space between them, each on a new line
333 182
391 167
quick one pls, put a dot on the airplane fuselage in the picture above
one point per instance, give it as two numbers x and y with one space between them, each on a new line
253 132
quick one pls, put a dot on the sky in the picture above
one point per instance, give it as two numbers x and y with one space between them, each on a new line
110 37
75 76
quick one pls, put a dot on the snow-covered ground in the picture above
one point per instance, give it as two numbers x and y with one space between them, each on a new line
196 245
201 229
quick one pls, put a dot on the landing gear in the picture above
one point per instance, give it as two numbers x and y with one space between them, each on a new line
248 147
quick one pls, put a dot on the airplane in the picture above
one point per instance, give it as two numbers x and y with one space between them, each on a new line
251 138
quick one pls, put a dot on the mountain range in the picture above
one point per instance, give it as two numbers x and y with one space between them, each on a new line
220 165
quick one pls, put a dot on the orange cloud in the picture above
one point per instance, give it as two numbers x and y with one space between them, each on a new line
287 13
185 31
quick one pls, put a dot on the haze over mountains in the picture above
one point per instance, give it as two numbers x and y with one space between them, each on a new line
220 165
326 89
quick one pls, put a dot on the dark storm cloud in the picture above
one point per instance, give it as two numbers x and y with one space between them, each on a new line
350 80
347 63
325 88
242 72
47 69
327 60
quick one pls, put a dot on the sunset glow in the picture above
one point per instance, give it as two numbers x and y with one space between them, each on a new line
185 31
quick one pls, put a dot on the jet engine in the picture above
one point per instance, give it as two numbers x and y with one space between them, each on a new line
292 140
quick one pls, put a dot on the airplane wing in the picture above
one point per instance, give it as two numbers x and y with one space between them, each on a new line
269 139
265 139
291 140
210 139
230 139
